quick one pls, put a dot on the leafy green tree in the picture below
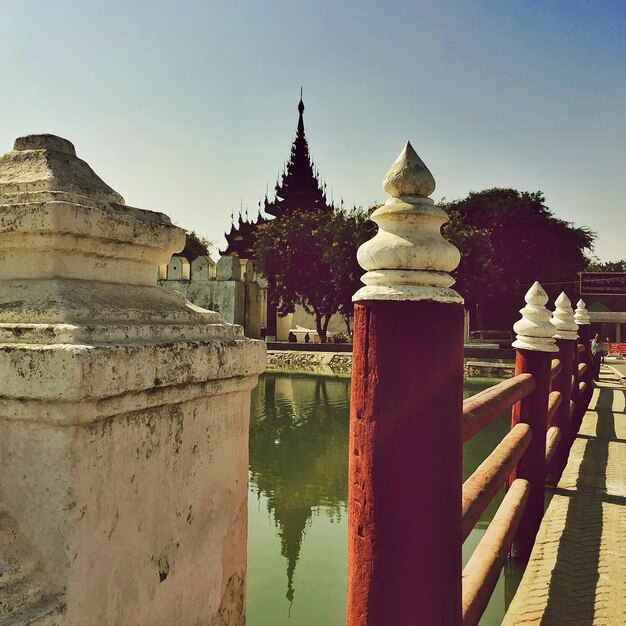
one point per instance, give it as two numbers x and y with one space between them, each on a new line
349 230
595 265
196 246
309 259
507 238
290 252
513 239
477 275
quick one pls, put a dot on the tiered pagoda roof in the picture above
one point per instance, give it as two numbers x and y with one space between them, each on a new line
241 238
298 190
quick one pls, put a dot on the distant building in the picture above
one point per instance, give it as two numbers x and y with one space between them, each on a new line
241 238
228 287
605 295
231 286
299 190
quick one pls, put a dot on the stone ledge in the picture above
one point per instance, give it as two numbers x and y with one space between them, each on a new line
312 362
72 373
83 412
87 304
341 362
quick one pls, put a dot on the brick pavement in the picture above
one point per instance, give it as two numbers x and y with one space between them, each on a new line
577 570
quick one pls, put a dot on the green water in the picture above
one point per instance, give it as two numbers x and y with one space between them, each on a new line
297 538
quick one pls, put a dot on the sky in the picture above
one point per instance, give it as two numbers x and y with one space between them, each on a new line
190 107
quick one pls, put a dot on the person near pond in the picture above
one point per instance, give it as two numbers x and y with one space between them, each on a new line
307 338
292 337
597 352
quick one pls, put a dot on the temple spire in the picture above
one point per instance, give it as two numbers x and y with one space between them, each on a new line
298 188
300 133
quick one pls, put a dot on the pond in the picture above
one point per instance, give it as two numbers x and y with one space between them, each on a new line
297 537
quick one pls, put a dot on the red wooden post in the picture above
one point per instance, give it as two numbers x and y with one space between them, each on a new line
535 348
566 340
404 500
581 317
574 393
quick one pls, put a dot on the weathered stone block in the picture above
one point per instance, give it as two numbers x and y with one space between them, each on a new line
228 268
123 412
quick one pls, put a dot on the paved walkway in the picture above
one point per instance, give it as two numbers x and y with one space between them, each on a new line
577 571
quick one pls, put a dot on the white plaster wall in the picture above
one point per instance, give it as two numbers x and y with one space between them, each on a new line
283 325
236 301
202 269
228 268
94 499
178 268
254 309
302 318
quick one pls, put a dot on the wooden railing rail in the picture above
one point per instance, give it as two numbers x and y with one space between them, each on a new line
548 397
483 569
554 402
552 395
404 561
563 384
484 407
553 437
481 487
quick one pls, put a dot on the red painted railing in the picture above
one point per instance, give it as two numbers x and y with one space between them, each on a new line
548 398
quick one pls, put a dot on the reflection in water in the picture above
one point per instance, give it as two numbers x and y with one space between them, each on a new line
299 474
299 454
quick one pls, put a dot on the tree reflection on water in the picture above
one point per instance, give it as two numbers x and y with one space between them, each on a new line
299 454
299 470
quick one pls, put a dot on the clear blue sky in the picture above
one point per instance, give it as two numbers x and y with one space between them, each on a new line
189 107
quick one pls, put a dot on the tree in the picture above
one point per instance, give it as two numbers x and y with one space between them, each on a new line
195 246
350 230
511 238
595 265
309 259
477 274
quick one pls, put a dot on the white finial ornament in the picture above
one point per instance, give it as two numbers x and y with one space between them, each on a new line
581 315
563 319
408 259
534 330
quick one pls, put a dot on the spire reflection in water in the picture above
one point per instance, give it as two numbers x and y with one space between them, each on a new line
297 537
299 463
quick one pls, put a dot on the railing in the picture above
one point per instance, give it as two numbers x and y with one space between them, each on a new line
537 399
407 509
547 397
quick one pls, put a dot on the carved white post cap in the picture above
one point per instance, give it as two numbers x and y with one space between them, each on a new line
563 319
581 315
534 330
408 259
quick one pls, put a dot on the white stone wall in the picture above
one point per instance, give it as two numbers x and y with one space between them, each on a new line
144 513
240 300
304 319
